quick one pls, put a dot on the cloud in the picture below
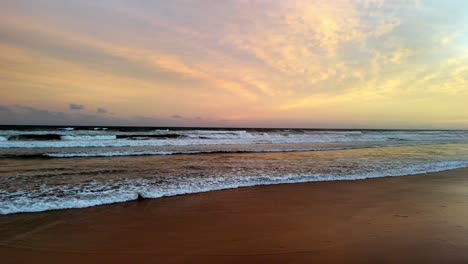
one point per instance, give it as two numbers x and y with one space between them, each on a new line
27 115
24 115
119 59
100 110
73 106
269 60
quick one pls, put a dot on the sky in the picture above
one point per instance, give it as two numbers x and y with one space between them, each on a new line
310 64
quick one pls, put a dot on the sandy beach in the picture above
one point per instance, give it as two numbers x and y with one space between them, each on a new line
421 218
233 131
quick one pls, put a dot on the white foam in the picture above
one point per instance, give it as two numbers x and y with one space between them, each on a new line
2 138
174 152
89 137
106 193
221 137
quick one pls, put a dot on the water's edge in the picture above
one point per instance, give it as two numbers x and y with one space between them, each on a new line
141 195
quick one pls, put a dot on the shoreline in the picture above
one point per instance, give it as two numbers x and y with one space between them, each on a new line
412 218
140 196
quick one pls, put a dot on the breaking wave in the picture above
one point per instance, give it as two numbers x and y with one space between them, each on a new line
98 193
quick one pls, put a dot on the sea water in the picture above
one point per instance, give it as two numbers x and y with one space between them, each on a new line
49 168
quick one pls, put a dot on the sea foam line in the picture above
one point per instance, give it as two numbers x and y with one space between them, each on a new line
133 189
175 152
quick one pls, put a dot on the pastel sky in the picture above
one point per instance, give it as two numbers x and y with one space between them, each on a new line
328 64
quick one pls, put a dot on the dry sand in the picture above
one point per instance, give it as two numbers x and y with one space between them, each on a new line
412 219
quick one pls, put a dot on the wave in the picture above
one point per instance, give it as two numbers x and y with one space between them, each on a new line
127 190
89 137
33 137
175 152
148 136
44 137
166 137
168 152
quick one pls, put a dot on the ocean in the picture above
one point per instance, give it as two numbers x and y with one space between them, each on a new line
50 168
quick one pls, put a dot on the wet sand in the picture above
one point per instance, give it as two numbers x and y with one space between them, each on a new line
412 219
